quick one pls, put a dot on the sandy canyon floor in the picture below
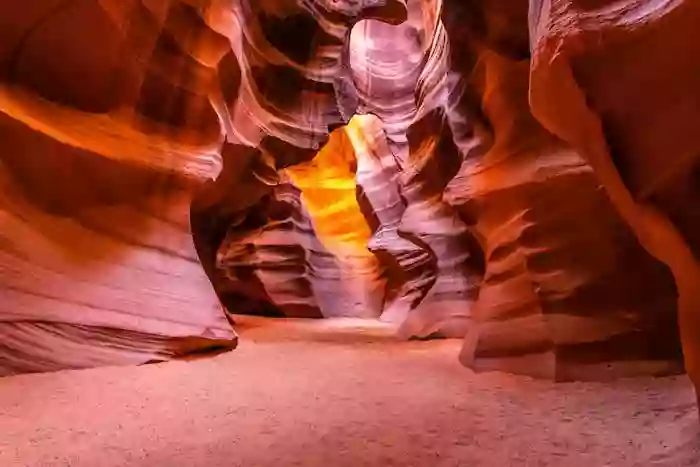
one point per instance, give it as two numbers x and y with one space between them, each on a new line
339 393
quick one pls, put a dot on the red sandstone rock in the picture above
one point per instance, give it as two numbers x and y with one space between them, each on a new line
636 131
107 131
449 210
554 247
98 264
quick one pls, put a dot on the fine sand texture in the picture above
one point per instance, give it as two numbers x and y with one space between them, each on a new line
338 393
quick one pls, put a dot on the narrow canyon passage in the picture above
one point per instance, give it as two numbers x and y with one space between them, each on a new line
338 392
349 233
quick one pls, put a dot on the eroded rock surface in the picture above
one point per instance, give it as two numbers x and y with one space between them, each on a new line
639 131
457 168
107 132
568 293
98 263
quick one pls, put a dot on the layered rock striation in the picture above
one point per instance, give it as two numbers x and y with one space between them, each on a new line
458 168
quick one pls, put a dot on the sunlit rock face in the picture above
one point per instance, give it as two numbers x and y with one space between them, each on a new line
350 283
402 82
411 262
115 114
427 163
431 262
306 244
352 240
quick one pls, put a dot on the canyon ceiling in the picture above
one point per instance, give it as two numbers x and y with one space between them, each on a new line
520 175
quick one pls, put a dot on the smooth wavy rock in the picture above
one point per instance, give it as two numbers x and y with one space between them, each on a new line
568 293
454 167
311 246
431 273
401 83
639 131
139 99
216 208
98 263
107 133
264 261
294 57
329 195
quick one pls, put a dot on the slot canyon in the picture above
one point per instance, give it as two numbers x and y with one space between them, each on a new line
349 233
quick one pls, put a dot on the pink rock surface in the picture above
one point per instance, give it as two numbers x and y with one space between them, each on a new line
107 133
638 131
441 166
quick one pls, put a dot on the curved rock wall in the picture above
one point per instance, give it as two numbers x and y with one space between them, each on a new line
112 128
465 193
106 132
638 132
568 293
